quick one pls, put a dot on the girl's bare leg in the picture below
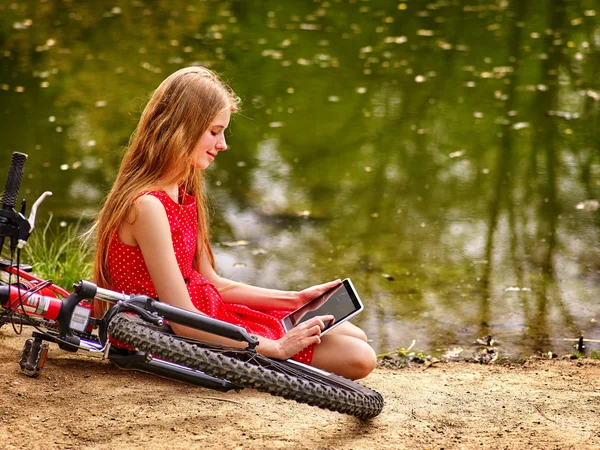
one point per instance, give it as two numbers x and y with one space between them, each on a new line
349 329
345 355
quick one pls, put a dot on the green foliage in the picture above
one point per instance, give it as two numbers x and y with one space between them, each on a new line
577 355
60 254
595 354
402 352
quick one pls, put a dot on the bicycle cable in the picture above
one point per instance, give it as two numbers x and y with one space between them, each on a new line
12 256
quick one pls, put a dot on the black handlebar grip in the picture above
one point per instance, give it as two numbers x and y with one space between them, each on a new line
13 181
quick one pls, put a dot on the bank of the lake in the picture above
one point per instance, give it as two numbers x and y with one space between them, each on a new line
82 402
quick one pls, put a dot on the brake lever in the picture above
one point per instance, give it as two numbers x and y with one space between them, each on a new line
25 232
35 207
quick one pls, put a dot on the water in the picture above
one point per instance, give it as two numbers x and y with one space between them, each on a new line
444 154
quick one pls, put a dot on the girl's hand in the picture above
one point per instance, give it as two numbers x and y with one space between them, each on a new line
298 338
310 293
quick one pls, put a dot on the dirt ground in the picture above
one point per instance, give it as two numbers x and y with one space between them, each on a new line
84 402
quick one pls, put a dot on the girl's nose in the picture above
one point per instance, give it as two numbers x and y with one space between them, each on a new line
221 144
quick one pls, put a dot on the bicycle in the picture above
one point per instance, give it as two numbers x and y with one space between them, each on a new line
140 325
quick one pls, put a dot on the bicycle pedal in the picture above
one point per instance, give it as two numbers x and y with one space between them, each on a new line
33 357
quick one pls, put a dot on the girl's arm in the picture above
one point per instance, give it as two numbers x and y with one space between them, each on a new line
150 230
260 298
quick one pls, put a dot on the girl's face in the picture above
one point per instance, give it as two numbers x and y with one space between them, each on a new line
212 141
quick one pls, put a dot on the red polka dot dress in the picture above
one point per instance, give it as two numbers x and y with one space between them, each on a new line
129 274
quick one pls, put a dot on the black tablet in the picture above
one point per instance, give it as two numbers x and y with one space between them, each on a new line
342 302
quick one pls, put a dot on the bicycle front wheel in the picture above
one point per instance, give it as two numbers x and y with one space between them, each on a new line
249 369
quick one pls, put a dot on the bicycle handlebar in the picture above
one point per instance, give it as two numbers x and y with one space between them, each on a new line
111 296
12 223
13 181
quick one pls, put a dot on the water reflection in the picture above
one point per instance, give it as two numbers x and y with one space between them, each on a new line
434 152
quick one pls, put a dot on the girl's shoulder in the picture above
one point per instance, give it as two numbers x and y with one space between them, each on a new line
148 203
183 198
155 200
153 206
157 193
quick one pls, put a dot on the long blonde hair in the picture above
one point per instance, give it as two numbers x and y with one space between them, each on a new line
160 153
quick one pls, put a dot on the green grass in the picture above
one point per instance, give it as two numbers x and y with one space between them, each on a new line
59 254
595 354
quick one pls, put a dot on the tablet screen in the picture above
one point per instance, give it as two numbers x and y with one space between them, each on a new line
341 302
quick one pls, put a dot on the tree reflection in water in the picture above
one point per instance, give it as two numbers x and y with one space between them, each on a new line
434 152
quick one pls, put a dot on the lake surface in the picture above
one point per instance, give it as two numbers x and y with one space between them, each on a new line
444 155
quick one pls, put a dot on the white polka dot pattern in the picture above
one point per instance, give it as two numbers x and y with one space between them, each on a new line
129 274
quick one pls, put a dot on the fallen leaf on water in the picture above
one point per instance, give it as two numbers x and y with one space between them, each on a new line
516 289
444 45
22 25
275 54
309 26
564 114
593 95
234 243
395 40
588 205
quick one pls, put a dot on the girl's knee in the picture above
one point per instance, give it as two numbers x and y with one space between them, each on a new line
367 363
360 334
361 361
345 355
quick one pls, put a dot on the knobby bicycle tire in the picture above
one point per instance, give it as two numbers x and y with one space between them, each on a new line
248 369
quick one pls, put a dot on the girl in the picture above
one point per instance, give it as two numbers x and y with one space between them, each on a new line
153 234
